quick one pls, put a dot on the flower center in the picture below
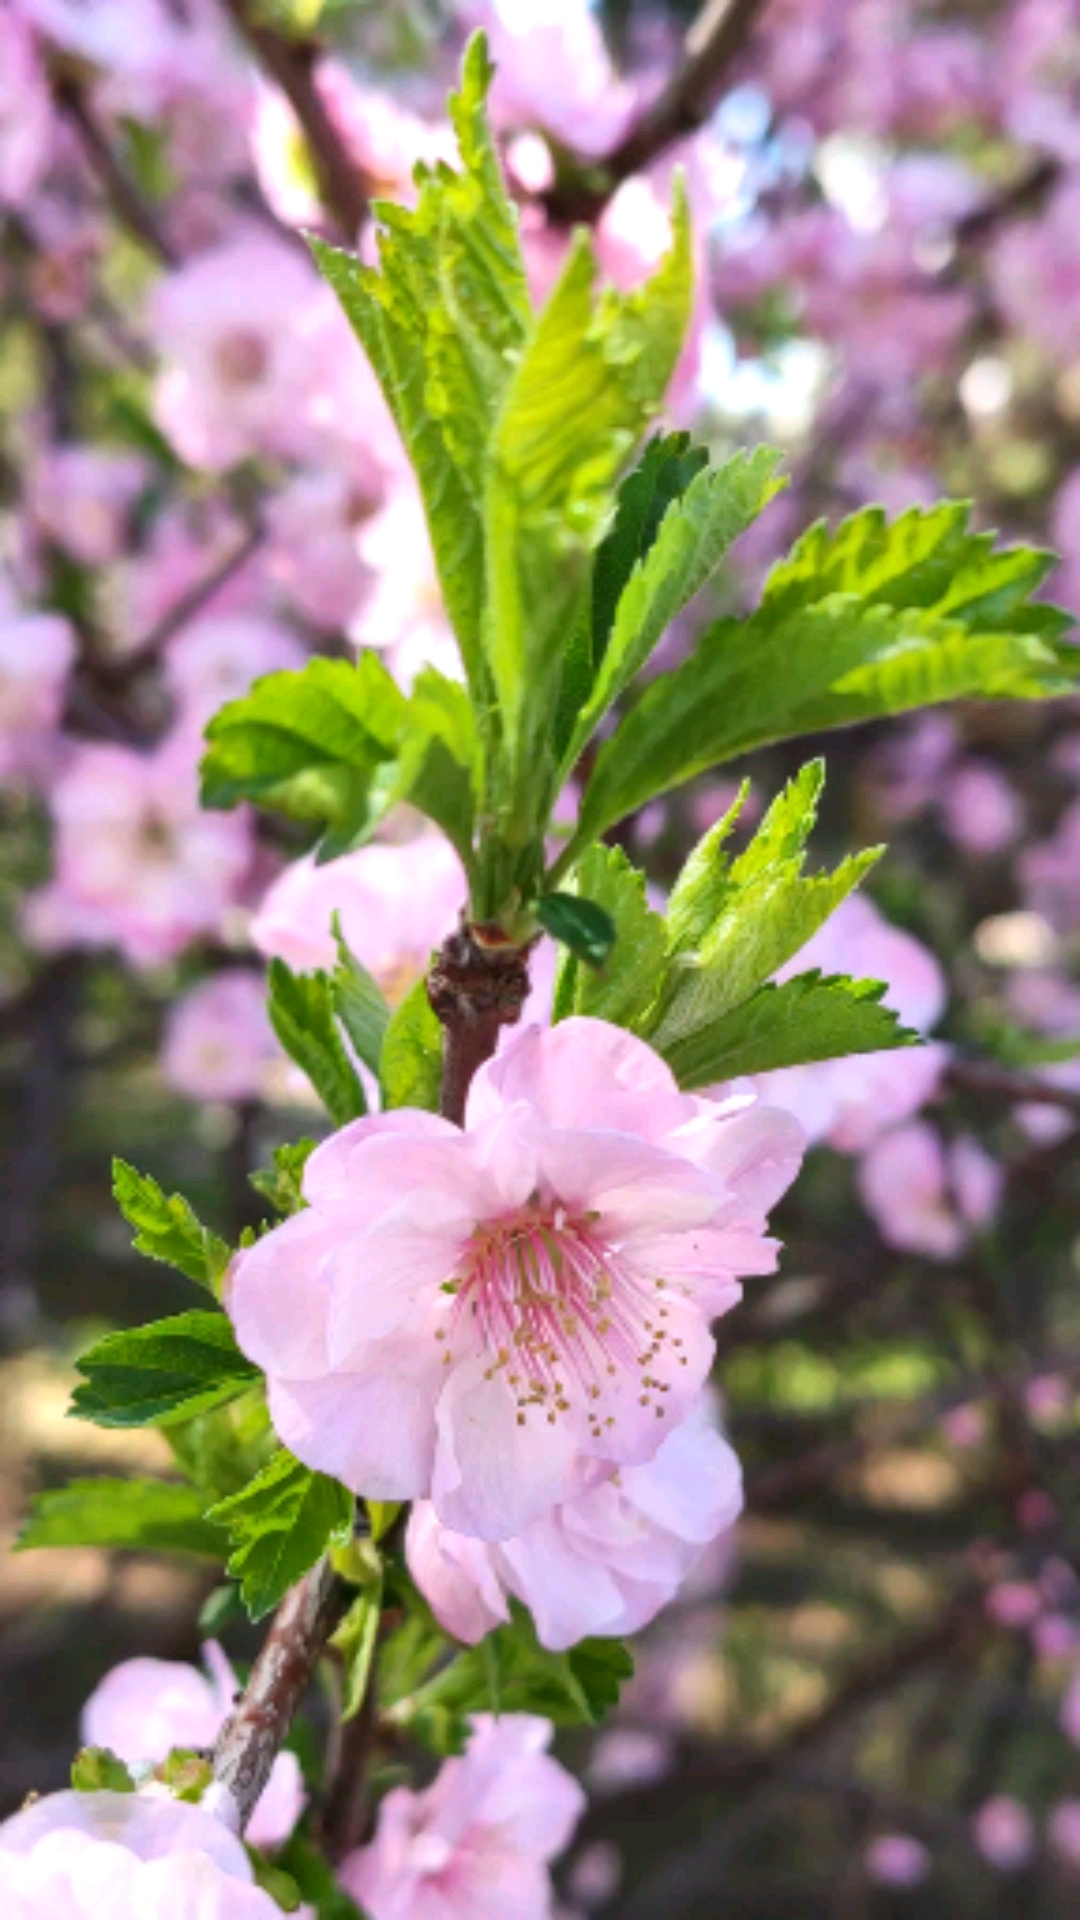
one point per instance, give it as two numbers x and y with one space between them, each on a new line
565 1317
242 357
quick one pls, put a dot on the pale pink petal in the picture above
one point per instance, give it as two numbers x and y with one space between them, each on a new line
493 1475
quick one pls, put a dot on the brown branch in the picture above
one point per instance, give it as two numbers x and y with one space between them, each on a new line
183 610
713 42
1024 195
122 193
251 1738
478 984
970 1076
291 63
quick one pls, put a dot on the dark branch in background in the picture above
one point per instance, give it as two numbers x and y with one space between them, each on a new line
970 1076
1024 195
46 1014
189 605
123 195
712 45
251 1738
291 63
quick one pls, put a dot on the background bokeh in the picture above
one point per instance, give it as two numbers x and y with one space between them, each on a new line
868 1704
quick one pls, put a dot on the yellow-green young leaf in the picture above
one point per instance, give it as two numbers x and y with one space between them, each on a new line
355 1640
411 1063
587 385
282 1185
510 1672
100 1770
626 983
156 1375
302 1013
441 319
145 1516
808 1018
167 1229
307 743
278 1527
733 925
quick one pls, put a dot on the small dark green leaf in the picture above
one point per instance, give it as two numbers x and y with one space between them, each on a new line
99 1770
622 988
411 1066
162 1373
279 1526
147 1516
510 1672
583 926
307 1867
281 1887
302 1014
167 1229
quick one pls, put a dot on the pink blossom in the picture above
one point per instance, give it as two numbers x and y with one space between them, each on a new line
1063 1831
385 139
403 615
1005 1833
897 1860
476 1844
80 1856
81 498
1048 1399
143 1708
1069 1715
977 1181
1014 1603
629 1757
218 1039
1050 873
849 1102
1065 534
26 115
37 651
313 554
470 1315
397 901
604 1562
907 767
964 1426
185 546
259 359
138 866
217 657
1035 273
1054 1637
902 1183
553 72
981 810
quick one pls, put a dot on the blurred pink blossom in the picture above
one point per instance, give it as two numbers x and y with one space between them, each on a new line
1063 1831
981 809
137 864
403 614
629 1757
26 114
130 1856
81 498
313 554
849 1102
218 1039
1035 273
1004 1833
476 1844
897 1860
397 901
1050 873
37 651
580 1162
605 1562
1014 1603
143 1708
553 72
217 657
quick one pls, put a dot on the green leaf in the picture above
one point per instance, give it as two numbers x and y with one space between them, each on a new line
307 1867
625 984
167 1229
359 1002
222 1449
301 1008
307 743
662 475
442 320
282 1888
808 1018
411 1065
282 1187
100 1770
355 1640
510 1672
186 1773
588 383
872 620
747 917
583 926
279 1526
167 1371
146 1516
696 532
